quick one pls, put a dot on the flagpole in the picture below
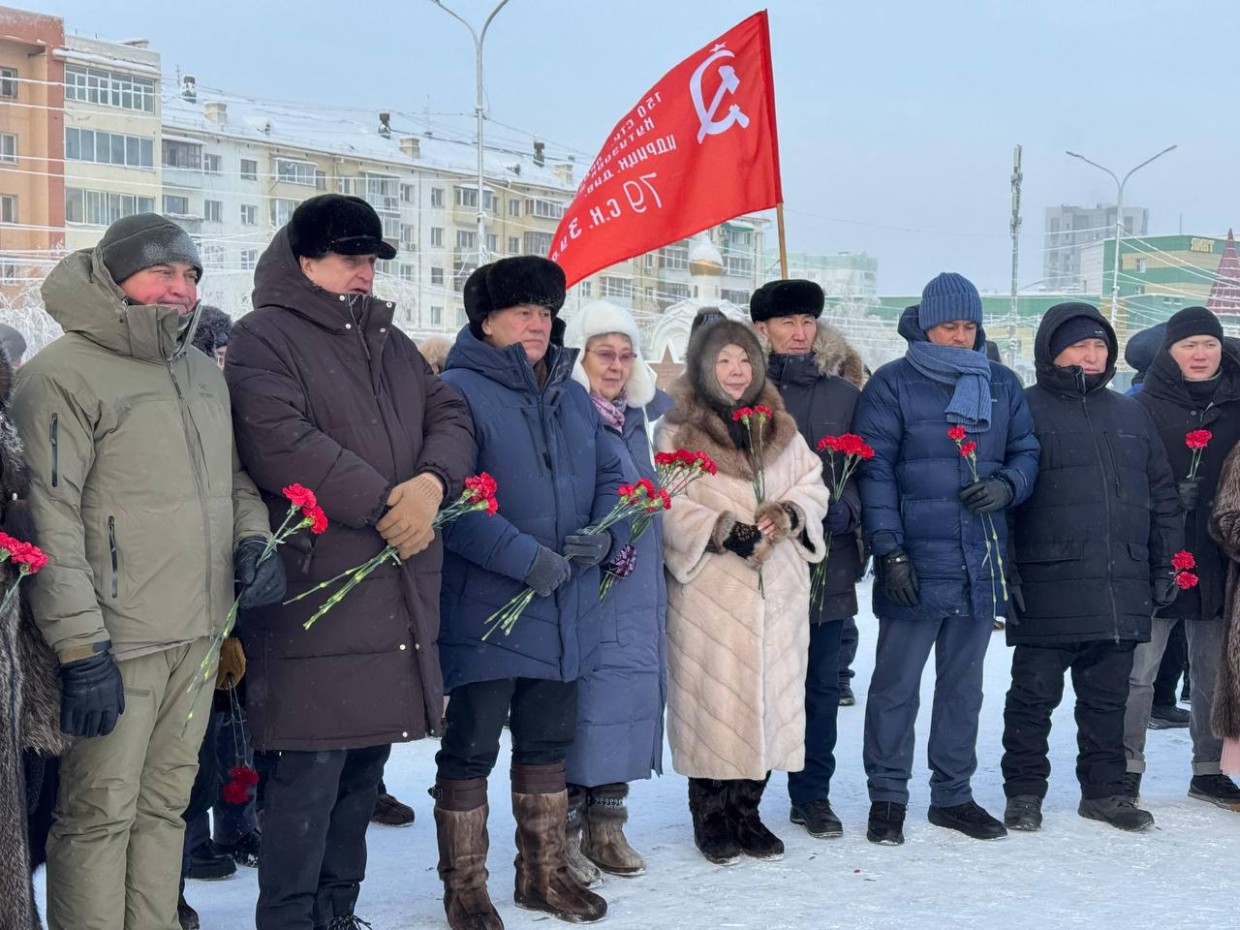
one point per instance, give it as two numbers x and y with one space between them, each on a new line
783 245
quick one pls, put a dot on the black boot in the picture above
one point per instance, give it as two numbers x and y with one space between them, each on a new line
886 824
1118 811
1023 812
968 818
1132 786
712 834
750 833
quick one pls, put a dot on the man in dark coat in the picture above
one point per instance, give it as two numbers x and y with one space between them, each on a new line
935 523
329 394
807 362
539 435
1093 548
1192 384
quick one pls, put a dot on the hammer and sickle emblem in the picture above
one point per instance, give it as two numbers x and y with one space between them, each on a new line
728 84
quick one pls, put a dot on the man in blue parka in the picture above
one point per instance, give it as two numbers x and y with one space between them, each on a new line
933 514
538 434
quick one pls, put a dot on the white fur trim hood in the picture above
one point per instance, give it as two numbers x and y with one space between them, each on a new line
597 319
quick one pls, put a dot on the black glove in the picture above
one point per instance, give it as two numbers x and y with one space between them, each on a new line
839 517
1190 494
1016 597
742 539
262 583
587 548
899 578
549 571
987 495
1165 592
92 696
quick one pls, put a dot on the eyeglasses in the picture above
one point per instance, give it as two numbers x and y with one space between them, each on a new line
610 357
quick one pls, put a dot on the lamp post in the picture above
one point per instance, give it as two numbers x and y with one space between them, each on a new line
479 107
1119 219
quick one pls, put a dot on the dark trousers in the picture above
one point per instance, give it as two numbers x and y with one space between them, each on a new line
206 789
849 637
1174 664
959 643
1100 672
542 716
316 807
822 705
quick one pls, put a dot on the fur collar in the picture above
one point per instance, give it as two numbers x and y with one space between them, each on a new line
699 427
834 357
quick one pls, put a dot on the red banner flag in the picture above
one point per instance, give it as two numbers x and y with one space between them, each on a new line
699 148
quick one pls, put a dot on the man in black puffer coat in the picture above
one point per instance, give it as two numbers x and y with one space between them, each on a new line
818 375
1193 384
1093 548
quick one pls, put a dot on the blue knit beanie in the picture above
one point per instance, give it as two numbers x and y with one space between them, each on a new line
948 297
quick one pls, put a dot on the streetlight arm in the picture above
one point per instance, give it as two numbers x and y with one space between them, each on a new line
1146 162
501 5
1084 159
460 19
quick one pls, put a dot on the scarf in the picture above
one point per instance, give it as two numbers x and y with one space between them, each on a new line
612 411
967 369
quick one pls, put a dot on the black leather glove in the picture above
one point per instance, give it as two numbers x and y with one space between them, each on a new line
549 571
987 495
1190 494
92 696
839 517
900 578
262 583
1165 592
1016 597
587 548
742 539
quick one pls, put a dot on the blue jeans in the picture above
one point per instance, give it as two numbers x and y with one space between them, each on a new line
822 704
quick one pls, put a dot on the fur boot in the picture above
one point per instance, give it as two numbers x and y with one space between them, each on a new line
712 833
750 833
582 869
543 881
461 827
605 843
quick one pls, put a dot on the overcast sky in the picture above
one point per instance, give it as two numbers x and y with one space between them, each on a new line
897 118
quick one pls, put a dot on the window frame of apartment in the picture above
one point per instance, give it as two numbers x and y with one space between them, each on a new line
615 286
514 245
181 156
249 169
212 163
8 209
537 243
172 201
514 207
135 151
109 88
436 237
282 210
408 193
738 266
295 171
8 147
213 211
249 214
409 236
102 208
382 191
436 198
249 259
466 240
436 317
9 83
406 271
437 277
544 208
675 257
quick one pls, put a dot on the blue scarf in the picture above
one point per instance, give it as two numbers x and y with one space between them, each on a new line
967 369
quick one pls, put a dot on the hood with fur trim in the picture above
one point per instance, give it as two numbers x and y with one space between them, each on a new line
833 355
704 348
598 319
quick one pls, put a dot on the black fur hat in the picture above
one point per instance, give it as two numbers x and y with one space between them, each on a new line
214 327
509 282
340 224
704 348
786 297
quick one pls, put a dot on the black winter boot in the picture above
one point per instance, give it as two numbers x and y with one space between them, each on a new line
750 833
1024 812
969 818
461 828
886 823
1120 812
1132 786
712 833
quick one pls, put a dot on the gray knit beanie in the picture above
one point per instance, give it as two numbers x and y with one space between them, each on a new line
136 242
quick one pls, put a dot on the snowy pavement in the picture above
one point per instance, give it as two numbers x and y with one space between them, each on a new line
1184 873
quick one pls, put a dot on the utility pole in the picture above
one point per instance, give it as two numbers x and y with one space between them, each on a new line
1014 313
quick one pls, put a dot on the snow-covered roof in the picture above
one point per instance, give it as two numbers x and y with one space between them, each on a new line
702 249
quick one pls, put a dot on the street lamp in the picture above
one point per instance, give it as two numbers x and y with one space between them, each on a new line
479 106
1119 219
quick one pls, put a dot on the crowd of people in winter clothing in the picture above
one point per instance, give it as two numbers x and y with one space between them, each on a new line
153 450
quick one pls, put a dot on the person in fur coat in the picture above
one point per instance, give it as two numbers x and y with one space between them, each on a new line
738 592
30 737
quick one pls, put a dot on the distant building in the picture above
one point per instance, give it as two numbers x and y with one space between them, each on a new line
843 277
1069 229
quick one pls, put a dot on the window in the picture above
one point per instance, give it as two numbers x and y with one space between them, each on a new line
176 204
739 238
10 271
212 256
282 211
514 245
295 172
437 237
383 192
406 272
109 88
320 180
1140 266
537 243
391 227
8 147
249 258
187 155
740 298
586 288
102 208
8 83
492 243
615 287
739 267
408 236
407 193
8 208
213 164
436 316
548 209
672 292
461 318
213 211
437 197
109 148
249 214
467 196
436 276
514 207
466 240
249 169
675 257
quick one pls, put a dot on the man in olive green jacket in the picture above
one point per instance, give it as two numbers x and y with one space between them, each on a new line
144 513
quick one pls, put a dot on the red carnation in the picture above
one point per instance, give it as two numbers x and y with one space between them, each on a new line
763 410
243 775
968 449
708 464
957 433
30 557
1198 438
300 496
663 459
742 414
1183 560
1186 580
665 498
829 442
234 793
317 518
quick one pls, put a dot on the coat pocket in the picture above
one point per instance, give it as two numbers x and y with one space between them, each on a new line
54 437
114 558
1049 552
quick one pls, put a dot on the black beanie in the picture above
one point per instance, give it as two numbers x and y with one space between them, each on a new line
137 242
1076 329
1193 321
787 297
510 282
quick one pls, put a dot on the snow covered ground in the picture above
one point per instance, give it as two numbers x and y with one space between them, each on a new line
1184 873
